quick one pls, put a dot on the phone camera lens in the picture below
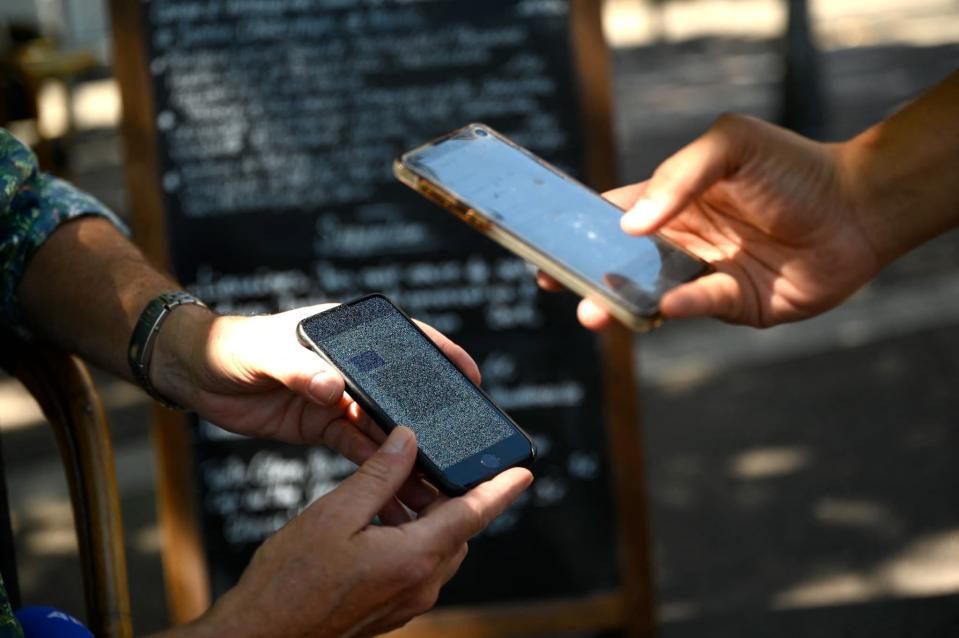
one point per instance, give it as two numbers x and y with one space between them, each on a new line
490 460
480 132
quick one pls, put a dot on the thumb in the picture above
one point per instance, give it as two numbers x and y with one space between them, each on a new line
267 348
304 372
358 499
717 154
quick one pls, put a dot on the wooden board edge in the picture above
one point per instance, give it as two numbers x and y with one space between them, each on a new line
184 560
598 612
594 78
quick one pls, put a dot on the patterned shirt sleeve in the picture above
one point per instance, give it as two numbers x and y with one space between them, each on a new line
32 205
9 627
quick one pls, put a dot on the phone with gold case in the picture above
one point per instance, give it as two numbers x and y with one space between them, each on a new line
549 219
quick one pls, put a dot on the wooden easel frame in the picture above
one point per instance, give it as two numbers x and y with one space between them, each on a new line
184 559
631 608
61 385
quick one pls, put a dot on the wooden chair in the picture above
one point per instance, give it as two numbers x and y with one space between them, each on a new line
62 387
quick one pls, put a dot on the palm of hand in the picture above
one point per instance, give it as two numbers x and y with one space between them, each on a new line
264 408
257 380
779 232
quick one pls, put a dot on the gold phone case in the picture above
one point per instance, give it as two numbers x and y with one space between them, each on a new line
489 227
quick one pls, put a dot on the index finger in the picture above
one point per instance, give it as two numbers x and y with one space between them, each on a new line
454 522
593 316
626 196
547 283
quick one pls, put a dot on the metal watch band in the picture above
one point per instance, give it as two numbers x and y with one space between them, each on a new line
143 340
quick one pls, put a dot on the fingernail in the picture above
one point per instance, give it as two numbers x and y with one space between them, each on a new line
397 440
639 217
324 388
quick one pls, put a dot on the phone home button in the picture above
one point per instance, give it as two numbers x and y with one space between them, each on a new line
490 460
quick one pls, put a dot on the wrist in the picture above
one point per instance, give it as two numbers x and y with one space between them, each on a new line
902 173
862 201
180 352
873 198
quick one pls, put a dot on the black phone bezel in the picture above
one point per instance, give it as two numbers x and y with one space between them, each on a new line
431 471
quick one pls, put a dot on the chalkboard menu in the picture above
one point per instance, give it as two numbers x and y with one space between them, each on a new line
276 124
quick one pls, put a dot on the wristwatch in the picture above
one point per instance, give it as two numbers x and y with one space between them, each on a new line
143 340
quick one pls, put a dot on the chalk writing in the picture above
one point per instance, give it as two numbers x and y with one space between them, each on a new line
299 116
277 123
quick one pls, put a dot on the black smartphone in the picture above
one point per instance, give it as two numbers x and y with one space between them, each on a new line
549 219
400 377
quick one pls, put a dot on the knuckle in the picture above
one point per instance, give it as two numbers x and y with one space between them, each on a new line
730 122
459 556
419 569
736 130
332 434
477 518
377 470
667 173
764 318
342 436
425 600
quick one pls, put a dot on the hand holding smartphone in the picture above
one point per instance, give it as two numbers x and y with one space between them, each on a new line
399 377
549 219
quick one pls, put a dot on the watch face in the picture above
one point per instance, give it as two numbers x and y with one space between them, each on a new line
173 299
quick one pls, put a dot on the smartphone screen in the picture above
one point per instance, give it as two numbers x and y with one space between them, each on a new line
555 215
396 373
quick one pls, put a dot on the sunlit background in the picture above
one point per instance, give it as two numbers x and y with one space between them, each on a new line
803 477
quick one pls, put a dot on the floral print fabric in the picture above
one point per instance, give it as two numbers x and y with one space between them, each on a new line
32 205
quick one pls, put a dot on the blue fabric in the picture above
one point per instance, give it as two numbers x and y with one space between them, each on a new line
47 622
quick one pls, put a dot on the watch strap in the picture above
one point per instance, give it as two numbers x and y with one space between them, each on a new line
143 339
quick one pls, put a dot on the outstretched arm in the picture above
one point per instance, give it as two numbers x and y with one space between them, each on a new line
793 226
85 288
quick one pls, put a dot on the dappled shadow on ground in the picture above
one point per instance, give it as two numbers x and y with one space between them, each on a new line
936 617
807 482
815 481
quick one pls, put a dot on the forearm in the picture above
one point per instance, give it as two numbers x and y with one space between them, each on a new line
903 172
85 288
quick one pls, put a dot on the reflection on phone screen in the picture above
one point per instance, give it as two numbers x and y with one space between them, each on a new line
555 214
